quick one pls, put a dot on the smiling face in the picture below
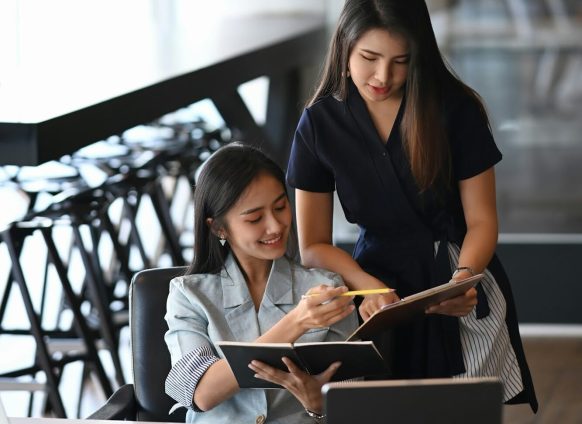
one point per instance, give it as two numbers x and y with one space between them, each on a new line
257 226
378 65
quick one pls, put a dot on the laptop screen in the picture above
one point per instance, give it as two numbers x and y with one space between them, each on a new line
438 401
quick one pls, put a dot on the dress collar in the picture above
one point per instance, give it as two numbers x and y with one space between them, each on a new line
357 106
279 288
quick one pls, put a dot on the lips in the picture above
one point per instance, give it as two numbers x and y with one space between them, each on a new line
272 241
379 90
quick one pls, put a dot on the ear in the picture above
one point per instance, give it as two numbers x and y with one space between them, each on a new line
218 232
210 223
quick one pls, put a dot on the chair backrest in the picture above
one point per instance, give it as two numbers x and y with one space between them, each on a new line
435 401
150 356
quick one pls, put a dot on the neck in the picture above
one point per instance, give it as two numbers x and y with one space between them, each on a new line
385 106
255 271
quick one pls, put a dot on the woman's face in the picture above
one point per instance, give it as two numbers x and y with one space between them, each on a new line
257 226
378 65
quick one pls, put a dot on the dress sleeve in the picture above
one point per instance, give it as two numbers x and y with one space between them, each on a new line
305 170
186 373
191 349
473 149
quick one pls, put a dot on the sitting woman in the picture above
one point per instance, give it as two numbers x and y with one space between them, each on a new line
243 287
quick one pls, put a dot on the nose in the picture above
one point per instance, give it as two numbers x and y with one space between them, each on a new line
383 73
274 225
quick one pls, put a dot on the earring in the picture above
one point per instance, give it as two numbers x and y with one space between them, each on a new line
348 73
222 240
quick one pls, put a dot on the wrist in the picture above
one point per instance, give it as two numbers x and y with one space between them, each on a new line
463 272
318 417
297 326
287 330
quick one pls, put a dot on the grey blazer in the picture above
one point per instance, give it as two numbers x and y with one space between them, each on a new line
206 308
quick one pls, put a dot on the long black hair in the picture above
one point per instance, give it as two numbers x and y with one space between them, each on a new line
429 76
223 179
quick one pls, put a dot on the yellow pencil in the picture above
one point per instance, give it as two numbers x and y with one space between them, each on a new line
357 292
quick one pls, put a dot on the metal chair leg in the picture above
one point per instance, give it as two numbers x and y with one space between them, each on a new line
100 302
160 204
79 319
36 329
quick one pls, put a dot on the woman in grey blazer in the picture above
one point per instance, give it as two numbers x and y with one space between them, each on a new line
242 286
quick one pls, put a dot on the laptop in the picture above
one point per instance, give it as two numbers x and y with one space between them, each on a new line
435 401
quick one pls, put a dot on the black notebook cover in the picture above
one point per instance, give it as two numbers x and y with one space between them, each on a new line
358 359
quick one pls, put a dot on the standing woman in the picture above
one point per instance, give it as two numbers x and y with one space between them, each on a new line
409 150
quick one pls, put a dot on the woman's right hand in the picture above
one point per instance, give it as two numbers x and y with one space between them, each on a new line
305 387
322 306
372 303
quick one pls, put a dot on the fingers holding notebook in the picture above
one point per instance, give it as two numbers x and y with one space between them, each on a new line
459 306
374 302
305 387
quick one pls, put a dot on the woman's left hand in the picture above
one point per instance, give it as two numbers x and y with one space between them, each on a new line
305 387
459 306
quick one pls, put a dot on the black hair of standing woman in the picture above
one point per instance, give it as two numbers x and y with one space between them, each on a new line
223 179
429 78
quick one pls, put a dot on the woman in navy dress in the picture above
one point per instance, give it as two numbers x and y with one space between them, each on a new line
409 150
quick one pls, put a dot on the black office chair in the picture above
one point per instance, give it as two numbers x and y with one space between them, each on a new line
145 399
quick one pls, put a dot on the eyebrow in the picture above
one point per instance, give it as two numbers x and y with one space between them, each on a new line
249 211
379 54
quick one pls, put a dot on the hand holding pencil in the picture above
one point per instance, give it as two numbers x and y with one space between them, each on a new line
321 306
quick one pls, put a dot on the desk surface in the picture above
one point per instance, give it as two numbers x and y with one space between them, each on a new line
83 82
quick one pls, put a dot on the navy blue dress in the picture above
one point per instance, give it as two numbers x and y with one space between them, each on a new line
336 147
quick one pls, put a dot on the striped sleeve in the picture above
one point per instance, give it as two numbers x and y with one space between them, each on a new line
487 349
184 376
